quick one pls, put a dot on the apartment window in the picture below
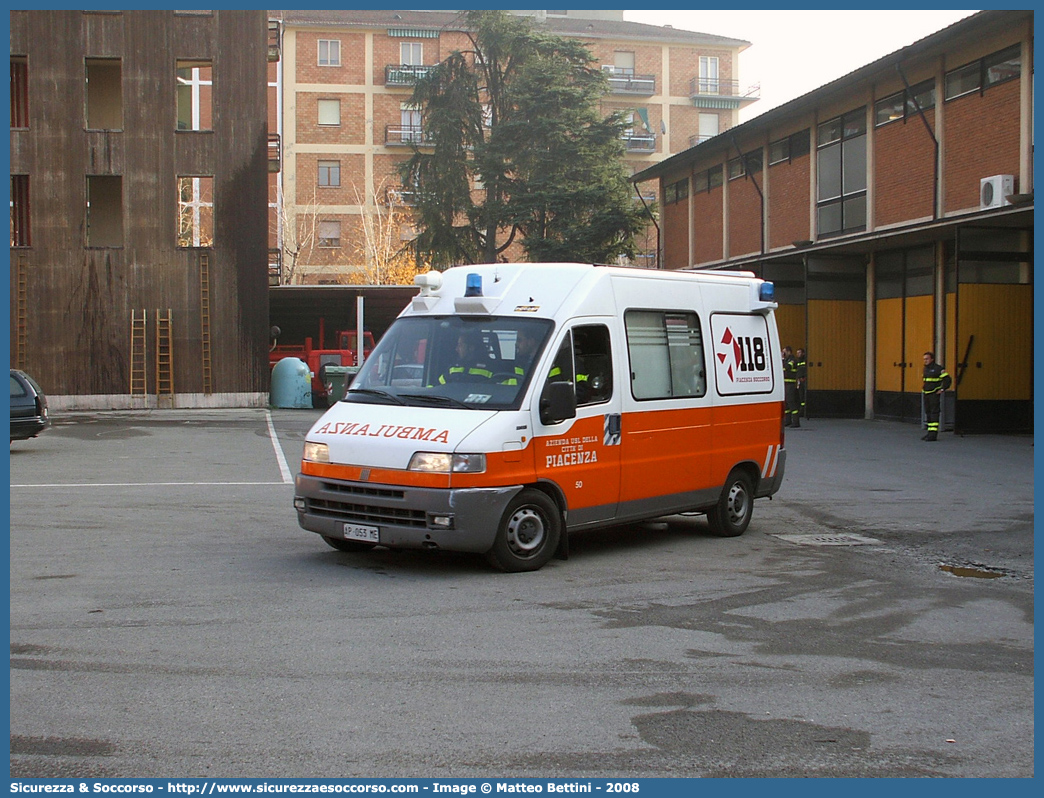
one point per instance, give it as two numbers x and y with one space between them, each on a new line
736 168
841 174
623 62
904 104
666 354
20 236
329 112
708 126
329 233
980 75
195 81
708 79
196 211
329 173
411 53
411 116
330 52
104 211
19 92
104 90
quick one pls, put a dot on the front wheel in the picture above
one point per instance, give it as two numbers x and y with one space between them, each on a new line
348 545
528 534
731 515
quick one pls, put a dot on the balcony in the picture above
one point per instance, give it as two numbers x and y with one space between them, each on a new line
624 81
639 142
404 135
274 152
273 40
404 74
721 94
397 195
694 140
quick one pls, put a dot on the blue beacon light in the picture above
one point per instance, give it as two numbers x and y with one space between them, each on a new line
474 285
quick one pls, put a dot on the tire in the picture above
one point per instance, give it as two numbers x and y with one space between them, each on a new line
528 534
347 545
730 517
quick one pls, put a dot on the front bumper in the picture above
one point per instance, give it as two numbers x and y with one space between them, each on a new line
404 515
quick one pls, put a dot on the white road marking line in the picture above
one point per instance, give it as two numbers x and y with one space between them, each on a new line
284 469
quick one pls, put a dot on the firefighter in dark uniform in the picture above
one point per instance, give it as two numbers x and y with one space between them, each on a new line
470 365
790 389
802 375
936 381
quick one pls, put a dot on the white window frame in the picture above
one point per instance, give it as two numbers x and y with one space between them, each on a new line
332 59
709 75
327 226
328 104
411 53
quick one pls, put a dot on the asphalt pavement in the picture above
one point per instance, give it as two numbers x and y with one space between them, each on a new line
170 619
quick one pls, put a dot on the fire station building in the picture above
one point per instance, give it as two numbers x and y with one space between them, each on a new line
893 210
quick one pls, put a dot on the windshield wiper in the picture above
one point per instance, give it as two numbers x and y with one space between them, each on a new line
436 399
373 392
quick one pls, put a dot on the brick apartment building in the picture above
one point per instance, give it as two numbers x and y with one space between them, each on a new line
893 209
339 107
138 207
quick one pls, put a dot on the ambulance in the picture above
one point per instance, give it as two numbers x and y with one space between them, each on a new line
594 395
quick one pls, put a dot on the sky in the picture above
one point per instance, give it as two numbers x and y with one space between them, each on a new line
794 52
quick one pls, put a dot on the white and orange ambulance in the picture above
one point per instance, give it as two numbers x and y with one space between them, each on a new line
591 395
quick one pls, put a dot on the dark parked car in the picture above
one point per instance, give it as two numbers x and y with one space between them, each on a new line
28 407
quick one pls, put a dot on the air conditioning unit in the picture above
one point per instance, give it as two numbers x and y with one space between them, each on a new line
994 191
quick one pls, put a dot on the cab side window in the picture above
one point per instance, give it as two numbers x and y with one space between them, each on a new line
585 359
666 354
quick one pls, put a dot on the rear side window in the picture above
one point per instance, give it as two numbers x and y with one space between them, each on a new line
665 349
17 389
742 358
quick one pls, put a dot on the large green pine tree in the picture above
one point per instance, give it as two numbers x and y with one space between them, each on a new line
518 114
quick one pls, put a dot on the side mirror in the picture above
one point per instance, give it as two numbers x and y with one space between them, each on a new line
557 402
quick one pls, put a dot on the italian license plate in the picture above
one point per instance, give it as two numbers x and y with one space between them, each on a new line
370 534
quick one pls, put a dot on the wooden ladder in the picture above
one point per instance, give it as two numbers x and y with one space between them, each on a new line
138 385
164 354
21 313
204 315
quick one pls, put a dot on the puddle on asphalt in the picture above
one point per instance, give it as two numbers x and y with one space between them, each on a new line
976 573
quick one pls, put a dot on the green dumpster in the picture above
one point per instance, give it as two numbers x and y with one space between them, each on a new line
336 379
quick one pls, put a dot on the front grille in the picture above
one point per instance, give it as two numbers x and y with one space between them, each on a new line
368 513
364 490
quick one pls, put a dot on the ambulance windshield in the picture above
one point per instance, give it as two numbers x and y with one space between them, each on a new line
469 362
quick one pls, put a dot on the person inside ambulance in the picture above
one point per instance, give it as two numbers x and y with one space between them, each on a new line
525 351
470 366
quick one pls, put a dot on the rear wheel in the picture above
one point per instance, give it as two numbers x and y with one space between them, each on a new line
528 534
731 515
348 545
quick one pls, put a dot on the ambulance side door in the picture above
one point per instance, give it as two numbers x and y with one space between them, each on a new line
582 454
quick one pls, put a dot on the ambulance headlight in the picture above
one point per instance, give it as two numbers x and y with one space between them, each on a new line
316 452
444 463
